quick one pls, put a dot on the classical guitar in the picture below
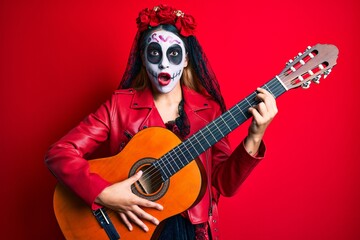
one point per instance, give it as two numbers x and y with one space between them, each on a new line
170 176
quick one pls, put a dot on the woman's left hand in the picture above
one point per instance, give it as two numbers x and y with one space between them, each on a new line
263 114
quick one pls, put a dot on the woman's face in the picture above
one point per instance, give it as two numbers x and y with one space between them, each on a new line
164 60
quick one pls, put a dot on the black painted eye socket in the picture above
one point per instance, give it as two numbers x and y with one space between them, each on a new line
154 53
174 54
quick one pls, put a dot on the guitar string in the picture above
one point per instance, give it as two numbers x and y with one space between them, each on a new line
222 118
165 160
191 153
242 106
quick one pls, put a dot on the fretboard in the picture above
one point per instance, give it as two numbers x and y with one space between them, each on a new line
184 153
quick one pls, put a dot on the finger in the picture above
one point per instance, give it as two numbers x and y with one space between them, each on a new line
265 97
144 215
268 99
146 203
263 91
134 177
126 221
260 114
262 109
256 115
134 218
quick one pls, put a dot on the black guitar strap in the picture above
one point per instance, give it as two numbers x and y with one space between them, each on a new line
105 222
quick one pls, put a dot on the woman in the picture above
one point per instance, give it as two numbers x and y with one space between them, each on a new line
168 83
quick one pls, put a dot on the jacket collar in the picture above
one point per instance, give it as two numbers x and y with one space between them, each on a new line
194 100
143 99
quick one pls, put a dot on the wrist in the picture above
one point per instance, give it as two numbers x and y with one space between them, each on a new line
252 144
254 138
102 195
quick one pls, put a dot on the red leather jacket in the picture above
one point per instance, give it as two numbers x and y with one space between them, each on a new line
127 112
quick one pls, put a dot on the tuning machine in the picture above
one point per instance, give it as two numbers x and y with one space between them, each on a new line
289 62
306 85
299 55
327 72
317 79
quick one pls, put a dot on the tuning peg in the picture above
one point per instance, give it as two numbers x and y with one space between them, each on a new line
289 62
306 85
317 79
307 49
327 72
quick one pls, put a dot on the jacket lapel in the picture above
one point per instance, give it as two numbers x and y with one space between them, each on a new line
143 100
198 108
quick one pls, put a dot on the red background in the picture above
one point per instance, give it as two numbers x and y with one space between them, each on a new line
60 59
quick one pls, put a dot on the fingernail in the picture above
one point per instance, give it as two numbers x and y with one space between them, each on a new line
146 229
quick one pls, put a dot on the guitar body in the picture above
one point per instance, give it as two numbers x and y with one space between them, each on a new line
177 194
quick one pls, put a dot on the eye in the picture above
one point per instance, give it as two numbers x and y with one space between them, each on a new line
154 52
174 53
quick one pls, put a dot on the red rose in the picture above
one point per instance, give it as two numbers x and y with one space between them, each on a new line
143 19
164 14
154 21
186 25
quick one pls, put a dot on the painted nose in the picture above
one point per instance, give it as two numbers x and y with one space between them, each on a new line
164 63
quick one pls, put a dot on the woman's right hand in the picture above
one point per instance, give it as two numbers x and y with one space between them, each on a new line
119 198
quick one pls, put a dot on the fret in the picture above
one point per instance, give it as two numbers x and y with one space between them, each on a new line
171 165
194 148
267 88
177 157
224 122
250 105
177 168
214 138
205 138
161 165
189 149
241 111
198 143
219 130
234 120
196 140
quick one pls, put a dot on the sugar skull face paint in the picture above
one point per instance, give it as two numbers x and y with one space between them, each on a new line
165 60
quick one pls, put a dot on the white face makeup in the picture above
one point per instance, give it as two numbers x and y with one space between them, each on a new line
165 60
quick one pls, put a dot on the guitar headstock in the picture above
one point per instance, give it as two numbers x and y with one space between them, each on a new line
309 66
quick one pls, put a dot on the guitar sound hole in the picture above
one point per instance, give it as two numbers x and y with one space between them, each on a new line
150 185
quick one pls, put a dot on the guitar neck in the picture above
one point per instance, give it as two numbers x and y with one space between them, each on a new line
184 153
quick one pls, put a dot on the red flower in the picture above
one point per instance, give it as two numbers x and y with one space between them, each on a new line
143 19
164 14
186 25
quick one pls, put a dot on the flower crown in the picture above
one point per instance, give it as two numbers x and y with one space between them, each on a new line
163 14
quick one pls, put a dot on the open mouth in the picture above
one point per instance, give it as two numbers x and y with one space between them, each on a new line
164 79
